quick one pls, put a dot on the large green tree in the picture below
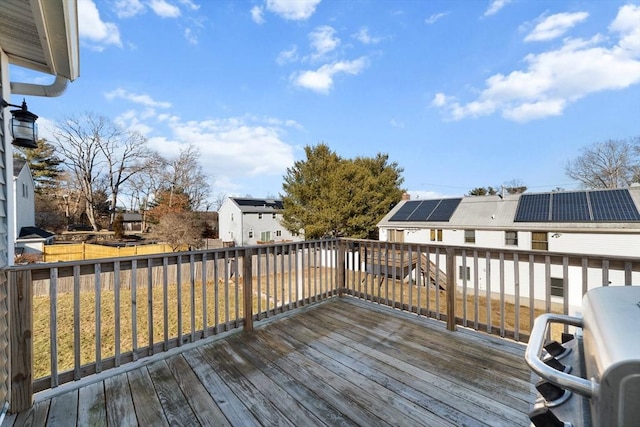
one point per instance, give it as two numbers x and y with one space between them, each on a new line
327 195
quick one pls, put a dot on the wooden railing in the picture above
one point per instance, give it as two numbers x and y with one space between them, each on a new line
70 320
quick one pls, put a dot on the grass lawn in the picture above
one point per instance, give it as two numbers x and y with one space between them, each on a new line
264 297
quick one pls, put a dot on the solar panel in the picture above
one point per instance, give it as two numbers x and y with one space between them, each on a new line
444 210
423 211
613 205
533 208
568 207
405 210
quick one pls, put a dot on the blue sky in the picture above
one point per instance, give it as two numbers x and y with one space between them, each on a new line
461 93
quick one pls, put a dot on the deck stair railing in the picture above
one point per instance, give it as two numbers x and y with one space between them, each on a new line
70 320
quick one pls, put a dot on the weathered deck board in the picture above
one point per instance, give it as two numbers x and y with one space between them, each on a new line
342 362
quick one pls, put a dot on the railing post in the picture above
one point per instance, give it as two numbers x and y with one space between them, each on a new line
247 289
340 268
451 289
21 339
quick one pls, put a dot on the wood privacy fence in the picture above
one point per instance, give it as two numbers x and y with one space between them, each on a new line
82 251
221 265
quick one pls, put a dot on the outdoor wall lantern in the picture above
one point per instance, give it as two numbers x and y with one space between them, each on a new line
23 125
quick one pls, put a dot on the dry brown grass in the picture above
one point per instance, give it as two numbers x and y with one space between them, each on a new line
315 280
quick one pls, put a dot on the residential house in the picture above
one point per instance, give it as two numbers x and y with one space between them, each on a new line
246 221
29 238
594 222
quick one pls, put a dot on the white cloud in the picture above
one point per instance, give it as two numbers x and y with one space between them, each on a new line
93 30
257 13
553 80
298 10
190 4
321 80
128 8
366 38
164 9
555 26
237 149
288 56
136 98
323 41
396 124
495 7
190 36
433 18
627 26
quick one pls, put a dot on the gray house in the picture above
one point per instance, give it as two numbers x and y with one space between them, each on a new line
248 221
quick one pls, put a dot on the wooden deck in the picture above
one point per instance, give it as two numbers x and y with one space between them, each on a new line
342 362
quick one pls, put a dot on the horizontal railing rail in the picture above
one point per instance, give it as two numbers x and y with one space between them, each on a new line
497 291
70 320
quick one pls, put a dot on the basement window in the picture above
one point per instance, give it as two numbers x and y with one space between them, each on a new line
557 288
469 236
539 241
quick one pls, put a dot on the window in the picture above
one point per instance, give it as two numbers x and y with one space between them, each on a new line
273 215
539 241
25 191
278 233
461 273
231 217
436 235
469 236
395 236
251 234
511 238
557 288
265 236
259 216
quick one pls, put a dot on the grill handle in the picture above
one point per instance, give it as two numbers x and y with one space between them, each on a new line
533 356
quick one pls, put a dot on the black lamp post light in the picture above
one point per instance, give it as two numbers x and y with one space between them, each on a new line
23 125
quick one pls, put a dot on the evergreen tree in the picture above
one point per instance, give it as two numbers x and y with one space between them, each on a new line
326 195
44 165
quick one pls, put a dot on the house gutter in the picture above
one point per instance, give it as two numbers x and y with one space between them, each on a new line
54 89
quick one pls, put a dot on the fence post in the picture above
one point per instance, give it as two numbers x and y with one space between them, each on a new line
247 289
340 268
451 289
21 339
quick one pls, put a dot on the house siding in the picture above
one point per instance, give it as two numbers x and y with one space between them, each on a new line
5 222
23 191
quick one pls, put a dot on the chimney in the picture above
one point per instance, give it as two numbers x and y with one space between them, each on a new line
406 196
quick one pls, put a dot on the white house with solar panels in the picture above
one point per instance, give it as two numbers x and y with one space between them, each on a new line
595 222
248 221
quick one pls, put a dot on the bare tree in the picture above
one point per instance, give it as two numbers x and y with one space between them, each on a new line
179 229
609 164
125 157
219 200
77 140
144 186
101 157
185 174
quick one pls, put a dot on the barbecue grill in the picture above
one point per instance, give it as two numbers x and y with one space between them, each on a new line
592 378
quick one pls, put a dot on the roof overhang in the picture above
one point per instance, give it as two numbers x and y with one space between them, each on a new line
41 35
